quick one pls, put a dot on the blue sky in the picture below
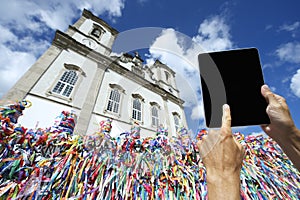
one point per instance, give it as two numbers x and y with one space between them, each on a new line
28 27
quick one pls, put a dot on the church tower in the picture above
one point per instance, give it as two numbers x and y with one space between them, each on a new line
78 74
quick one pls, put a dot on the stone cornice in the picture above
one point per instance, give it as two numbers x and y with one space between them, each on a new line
64 41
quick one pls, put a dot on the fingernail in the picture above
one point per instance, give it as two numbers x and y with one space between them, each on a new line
225 106
266 87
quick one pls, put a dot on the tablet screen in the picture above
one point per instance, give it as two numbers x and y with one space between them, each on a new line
234 77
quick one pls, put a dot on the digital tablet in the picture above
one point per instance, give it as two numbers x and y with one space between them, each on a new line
234 77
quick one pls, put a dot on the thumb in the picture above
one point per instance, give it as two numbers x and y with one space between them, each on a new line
266 129
269 96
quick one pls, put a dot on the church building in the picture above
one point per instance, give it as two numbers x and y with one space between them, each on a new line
79 73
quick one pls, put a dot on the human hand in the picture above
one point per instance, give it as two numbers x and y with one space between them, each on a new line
281 123
282 127
225 154
222 156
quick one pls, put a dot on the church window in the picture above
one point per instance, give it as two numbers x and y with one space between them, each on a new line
66 83
96 31
137 109
154 113
167 77
114 101
176 121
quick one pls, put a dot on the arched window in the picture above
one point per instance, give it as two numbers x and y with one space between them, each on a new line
114 101
167 76
154 116
137 109
176 121
114 98
66 83
97 32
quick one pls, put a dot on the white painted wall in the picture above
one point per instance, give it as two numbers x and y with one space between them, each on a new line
42 113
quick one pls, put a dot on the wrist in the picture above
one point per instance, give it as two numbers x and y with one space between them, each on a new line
291 146
225 185
295 134
292 136
218 177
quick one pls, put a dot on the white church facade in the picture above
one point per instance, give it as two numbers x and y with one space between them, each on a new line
78 73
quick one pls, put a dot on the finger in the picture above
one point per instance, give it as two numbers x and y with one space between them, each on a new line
266 128
240 146
226 119
201 141
281 100
269 96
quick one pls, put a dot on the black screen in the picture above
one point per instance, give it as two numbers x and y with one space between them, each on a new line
234 77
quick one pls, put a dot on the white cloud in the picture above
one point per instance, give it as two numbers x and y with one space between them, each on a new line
180 52
261 133
12 63
6 35
55 14
26 25
289 52
290 27
168 50
198 112
295 84
213 34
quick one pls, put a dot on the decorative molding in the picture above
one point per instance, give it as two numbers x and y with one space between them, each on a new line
138 70
138 96
152 103
50 93
176 113
74 67
112 85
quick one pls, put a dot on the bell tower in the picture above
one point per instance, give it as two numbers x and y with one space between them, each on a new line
165 77
93 32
